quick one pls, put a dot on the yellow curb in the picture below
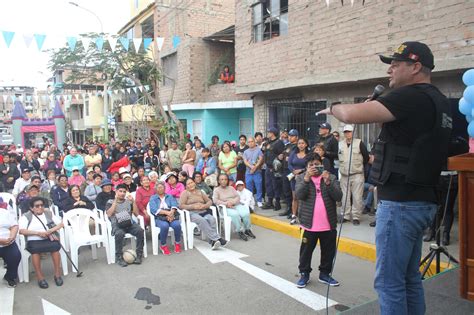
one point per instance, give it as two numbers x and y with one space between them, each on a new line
349 246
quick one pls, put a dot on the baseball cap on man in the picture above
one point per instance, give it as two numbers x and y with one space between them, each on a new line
411 52
273 130
348 128
25 170
293 132
325 126
239 182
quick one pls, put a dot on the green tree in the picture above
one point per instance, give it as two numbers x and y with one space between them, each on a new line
123 69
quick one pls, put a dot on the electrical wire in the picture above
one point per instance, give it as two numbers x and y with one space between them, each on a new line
341 223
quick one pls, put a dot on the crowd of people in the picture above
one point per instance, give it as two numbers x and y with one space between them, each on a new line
124 179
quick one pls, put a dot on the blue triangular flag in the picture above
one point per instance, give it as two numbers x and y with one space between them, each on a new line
146 43
135 89
109 92
28 98
99 42
71 41
176 41
125 42
39 38
8 37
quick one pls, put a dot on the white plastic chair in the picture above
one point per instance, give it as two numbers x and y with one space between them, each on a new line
76 224
155 231
111 238
222 217
24 275
190 226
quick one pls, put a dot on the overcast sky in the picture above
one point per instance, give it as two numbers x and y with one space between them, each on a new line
56 19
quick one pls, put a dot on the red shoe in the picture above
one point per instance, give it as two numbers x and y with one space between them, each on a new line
177 248
164 249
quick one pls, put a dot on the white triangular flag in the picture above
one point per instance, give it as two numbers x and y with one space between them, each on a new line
327 2
86 41
5 98
84 96
147 87
140 88
28 38
58 98
21 98
76 96
352 3
36 97
128 90
136 43
113 42
115 91
123 91
135 89
159 42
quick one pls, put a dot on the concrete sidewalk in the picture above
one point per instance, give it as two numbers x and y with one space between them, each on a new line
358 241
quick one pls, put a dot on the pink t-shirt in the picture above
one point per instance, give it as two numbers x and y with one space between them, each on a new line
320 215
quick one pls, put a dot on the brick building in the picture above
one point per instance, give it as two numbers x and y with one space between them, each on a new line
296 57
198 42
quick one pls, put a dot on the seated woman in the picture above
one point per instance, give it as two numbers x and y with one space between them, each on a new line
98 170
142 197
93 189
39 226
115 179
173 187
153 176
228 196
198 204
105 195
76 177
76 200
9 251
47 185
201 185
182 177
164 208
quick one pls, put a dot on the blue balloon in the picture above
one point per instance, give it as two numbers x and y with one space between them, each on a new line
470 129
468 77
469 94
469 118
465 107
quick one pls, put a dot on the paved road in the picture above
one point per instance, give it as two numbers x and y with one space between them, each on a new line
190 283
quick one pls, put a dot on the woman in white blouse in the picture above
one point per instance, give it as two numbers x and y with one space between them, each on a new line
9 251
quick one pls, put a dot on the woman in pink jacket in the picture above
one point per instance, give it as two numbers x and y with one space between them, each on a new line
173 187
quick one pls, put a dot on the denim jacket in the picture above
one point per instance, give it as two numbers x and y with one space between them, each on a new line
210 165
155 203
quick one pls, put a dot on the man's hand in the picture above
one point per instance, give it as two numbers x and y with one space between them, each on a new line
326 111
130 198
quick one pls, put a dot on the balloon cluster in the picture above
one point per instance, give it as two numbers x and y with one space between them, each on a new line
466 103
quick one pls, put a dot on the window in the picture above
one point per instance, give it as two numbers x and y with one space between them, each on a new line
197 128
245 127
270 19
86 105
147 27
170 69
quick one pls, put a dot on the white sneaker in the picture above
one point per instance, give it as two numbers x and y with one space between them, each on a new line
259 204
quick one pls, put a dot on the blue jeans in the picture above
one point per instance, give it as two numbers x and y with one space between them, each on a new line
164 228
369 200
11 256
398 239
254 181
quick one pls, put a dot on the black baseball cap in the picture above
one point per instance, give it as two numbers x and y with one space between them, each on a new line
412 52
325 126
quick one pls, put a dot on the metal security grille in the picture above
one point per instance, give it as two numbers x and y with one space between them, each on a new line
286 114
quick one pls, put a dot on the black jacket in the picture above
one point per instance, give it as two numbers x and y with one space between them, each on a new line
12 172
102 199
306 194
70 204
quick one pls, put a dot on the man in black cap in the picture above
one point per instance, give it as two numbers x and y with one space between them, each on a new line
273 148
409 155
330 144
293 135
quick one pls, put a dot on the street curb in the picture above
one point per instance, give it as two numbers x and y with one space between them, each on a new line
349 246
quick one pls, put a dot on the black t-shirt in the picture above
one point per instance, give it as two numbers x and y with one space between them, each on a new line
240 152
415 115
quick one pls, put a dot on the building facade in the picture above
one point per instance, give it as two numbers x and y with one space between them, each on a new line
297 57
198 43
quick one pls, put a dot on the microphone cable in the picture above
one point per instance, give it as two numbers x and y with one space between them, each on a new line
341 219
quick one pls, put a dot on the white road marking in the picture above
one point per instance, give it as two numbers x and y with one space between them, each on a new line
51 309
309 298
7 295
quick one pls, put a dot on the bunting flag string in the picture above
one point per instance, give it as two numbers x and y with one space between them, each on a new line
53 41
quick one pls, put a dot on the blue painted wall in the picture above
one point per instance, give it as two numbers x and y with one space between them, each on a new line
224 123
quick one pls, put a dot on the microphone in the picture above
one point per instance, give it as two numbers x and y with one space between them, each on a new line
378 90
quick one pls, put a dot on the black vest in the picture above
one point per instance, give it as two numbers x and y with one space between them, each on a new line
422 162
